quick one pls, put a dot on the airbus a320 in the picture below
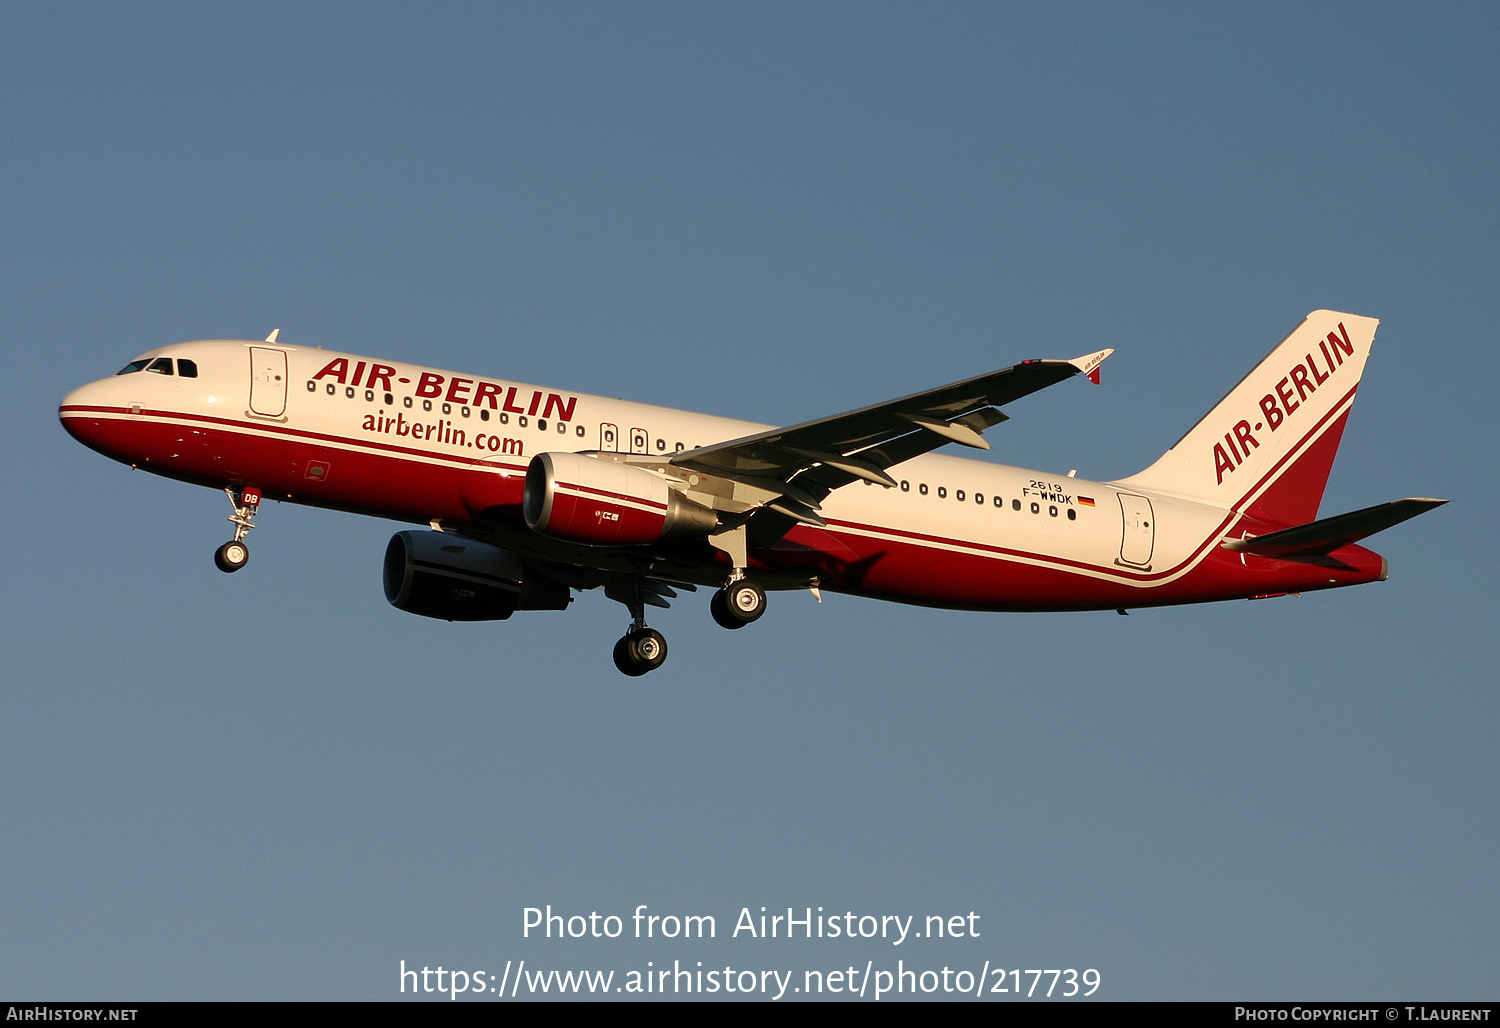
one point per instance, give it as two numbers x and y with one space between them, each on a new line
530 493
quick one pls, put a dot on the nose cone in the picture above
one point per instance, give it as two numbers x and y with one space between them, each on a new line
83 396
89 412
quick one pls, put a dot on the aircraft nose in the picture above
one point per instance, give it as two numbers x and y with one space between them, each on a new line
78 397
79 413
80 400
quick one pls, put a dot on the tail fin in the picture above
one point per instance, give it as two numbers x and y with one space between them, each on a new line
1266 448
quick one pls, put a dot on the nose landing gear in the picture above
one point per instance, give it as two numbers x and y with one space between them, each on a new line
234 554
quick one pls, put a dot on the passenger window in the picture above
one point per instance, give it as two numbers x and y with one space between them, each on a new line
186 368
162 366
134 366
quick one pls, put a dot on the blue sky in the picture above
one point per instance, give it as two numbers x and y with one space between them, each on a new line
277 786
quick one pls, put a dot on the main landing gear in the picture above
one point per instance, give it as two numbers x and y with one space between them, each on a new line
234 554
741 601
738 603
641 649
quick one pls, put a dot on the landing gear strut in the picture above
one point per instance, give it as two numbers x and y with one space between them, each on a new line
234 554
641 649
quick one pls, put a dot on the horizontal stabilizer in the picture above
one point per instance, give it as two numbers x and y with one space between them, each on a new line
1322 537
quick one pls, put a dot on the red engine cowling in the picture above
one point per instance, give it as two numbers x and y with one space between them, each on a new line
585 499
444 576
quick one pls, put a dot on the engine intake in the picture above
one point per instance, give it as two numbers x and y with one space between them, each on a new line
443 576
585 499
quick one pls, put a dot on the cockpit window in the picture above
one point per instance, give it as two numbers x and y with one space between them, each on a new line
134 366
187 368
162 366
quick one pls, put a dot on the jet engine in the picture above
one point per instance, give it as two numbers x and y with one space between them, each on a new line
585 499
443 576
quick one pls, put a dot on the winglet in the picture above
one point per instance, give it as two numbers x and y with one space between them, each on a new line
1089 364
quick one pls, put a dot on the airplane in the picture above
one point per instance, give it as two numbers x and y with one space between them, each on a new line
530 494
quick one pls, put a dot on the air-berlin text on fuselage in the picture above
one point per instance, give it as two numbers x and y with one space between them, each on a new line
1283 402
444 430
468 391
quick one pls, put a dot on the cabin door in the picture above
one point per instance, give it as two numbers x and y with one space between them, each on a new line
267 382
1138 530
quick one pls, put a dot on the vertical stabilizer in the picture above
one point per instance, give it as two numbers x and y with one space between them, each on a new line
1268 446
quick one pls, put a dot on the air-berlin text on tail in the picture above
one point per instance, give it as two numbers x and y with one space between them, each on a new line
467 391
1281 403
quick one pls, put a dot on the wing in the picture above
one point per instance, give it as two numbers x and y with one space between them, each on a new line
803 463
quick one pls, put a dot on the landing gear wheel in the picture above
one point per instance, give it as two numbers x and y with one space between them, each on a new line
640 651
738 604
720 612
232 556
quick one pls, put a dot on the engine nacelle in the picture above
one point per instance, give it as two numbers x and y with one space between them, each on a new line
589 500
444 576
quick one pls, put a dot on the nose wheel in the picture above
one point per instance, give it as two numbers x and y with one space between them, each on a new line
738 603
639 651
234 554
